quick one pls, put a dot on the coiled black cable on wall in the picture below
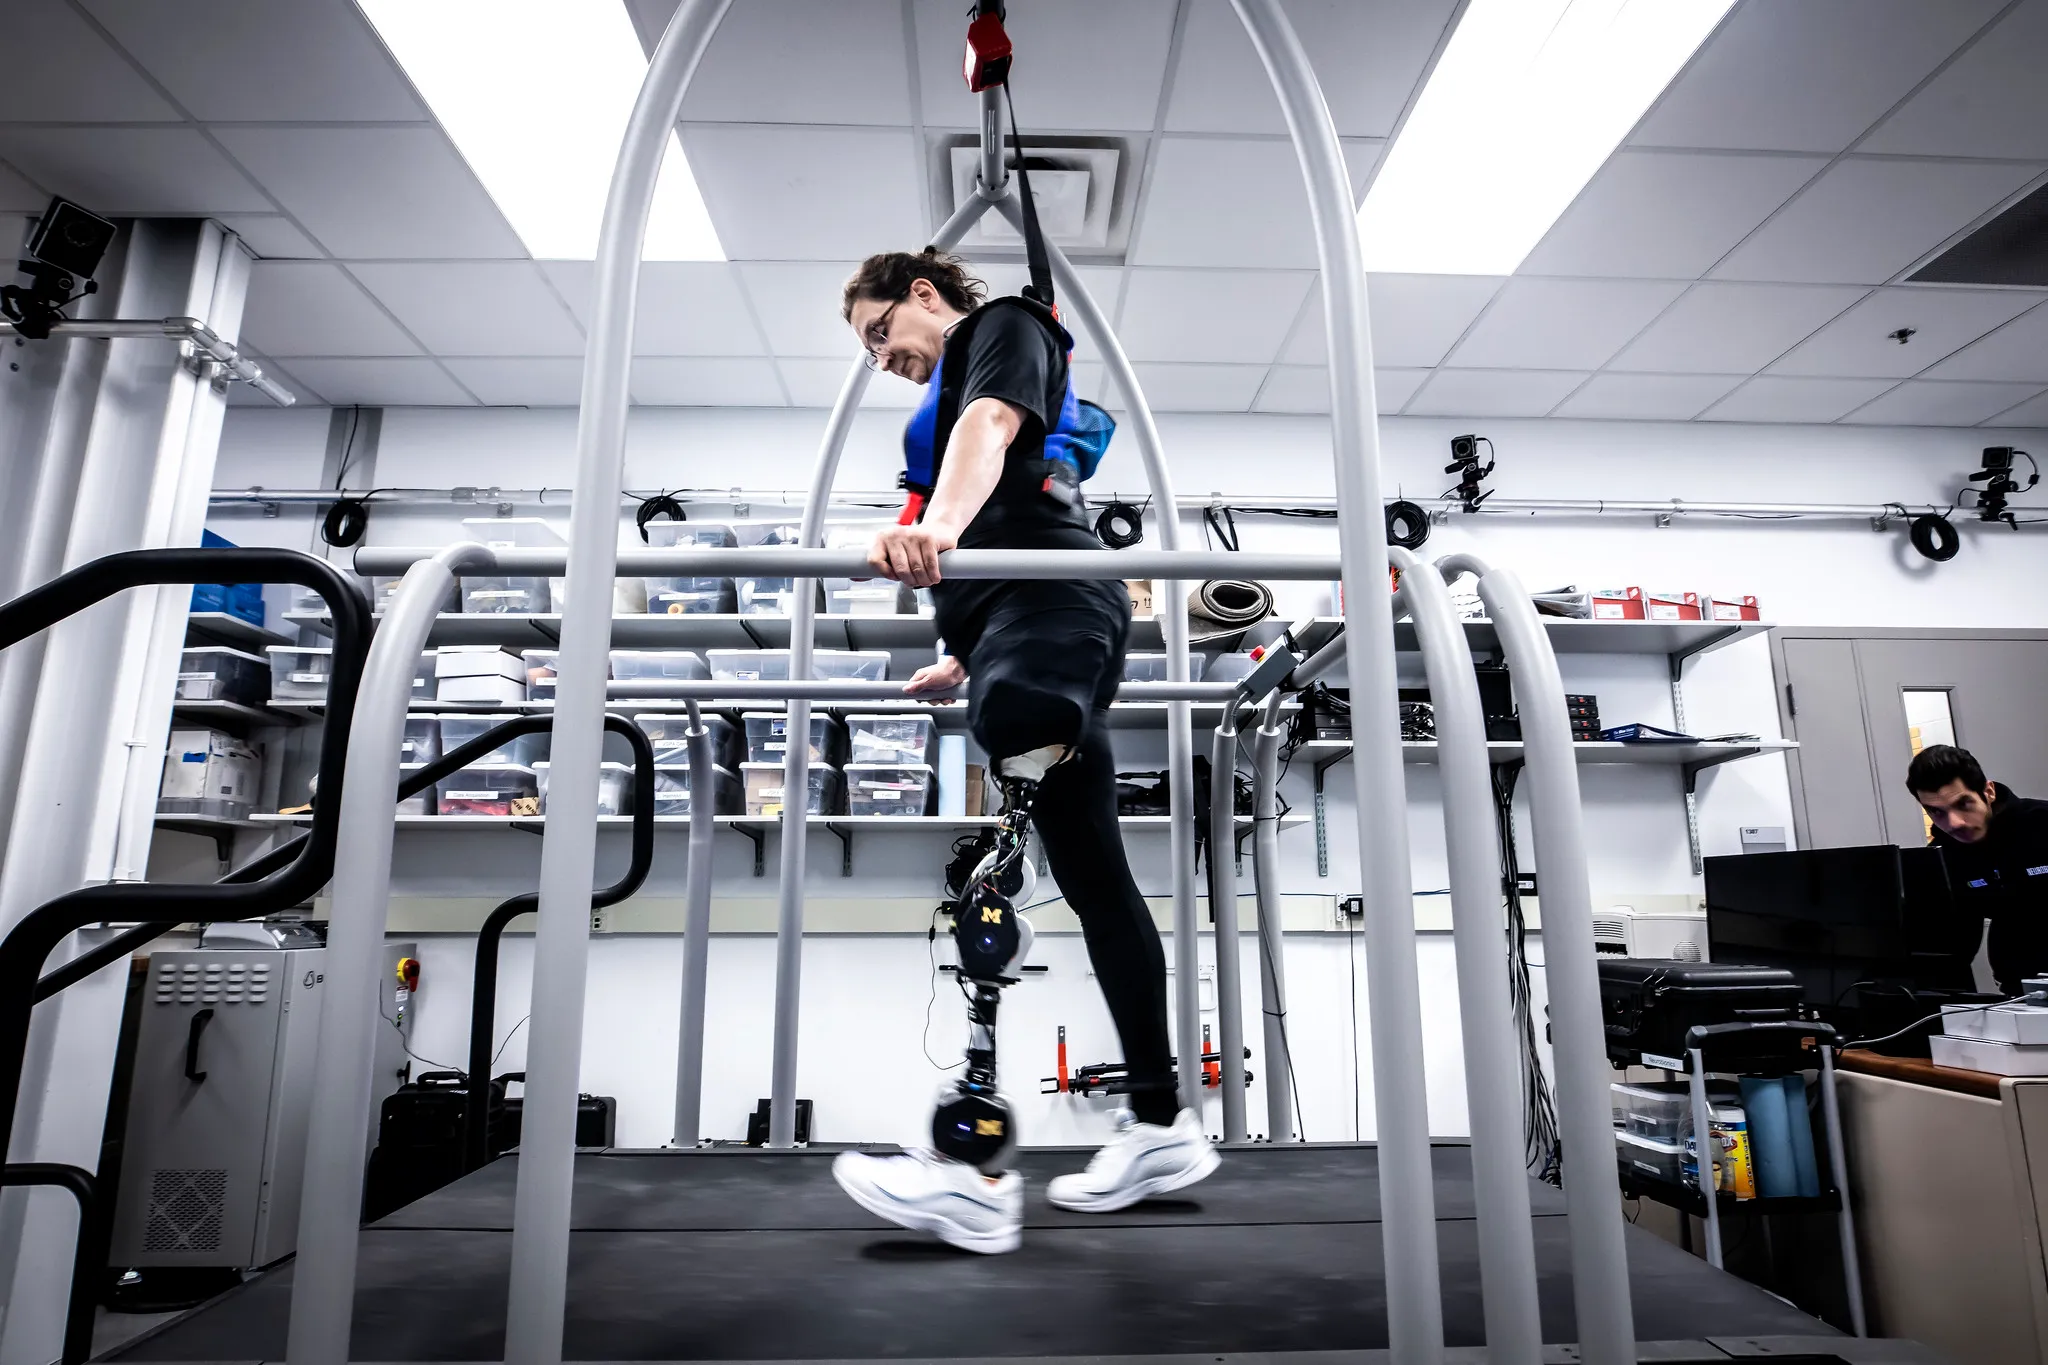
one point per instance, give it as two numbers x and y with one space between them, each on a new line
1407 524
1120 525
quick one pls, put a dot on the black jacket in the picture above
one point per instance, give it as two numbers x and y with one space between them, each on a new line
2004 878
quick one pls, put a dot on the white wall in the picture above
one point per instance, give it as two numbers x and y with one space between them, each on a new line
865 996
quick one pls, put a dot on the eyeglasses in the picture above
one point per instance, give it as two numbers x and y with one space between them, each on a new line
877 335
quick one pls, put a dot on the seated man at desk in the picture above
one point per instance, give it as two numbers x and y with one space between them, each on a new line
1996 846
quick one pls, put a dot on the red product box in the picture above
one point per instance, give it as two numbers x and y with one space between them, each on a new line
1672 606
1732 609
1617 604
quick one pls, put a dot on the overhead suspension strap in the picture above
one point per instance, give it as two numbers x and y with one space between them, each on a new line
986 66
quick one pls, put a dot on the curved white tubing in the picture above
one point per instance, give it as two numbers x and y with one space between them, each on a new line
561 950
1415 1327
1223 914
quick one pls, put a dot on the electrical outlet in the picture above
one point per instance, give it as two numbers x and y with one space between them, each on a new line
601 920
1350 907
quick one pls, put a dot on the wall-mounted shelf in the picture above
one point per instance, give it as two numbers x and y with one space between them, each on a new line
232 714
1123 715
220 829
1694 756
222 628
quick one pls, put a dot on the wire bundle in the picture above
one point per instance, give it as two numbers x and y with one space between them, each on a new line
1539 1113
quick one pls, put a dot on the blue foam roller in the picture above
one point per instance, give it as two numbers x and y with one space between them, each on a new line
1770 1138
1800 1125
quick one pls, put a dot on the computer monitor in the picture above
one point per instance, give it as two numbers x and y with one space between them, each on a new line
1838 918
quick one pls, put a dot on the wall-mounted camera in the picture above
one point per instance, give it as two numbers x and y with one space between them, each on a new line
1465 464
63 254
1999 483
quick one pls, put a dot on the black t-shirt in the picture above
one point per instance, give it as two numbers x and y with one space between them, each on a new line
2004 878
1012 356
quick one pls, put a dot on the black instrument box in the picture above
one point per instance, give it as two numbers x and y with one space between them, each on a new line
1649 1003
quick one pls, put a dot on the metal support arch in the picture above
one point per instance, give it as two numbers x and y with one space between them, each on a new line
1279 1067
1223 915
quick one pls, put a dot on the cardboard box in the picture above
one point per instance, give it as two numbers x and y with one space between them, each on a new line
1140 590
477 661
1732 609
2024 1024
1671 606
977 789
206 766
1617 604
1989 1055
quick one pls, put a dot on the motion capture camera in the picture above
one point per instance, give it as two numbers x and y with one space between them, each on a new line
63 252
1465 464
1999 483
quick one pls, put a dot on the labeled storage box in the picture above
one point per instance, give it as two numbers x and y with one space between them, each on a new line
888 788
877 598
383 588
1732 609
540 674
505 596
1653 1111
210 773
672 794
748 665
1143 667
669 733
299 672
422 742
614 787
768 738
215 674
1617 604
479 673
1649 1159
490 789
658 665
691 597
865 665
523 750
771 596
889 739
1671 606
764 789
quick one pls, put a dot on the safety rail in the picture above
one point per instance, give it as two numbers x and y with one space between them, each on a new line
282 878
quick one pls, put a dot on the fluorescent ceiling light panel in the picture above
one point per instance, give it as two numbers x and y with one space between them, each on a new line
1526 103
535 95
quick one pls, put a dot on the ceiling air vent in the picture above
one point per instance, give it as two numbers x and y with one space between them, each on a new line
2011 249
1081 185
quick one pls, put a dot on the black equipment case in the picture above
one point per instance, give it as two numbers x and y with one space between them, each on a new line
1649 1003
420 1148
597 1117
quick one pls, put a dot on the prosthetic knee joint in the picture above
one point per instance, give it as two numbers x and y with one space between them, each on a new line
972 1123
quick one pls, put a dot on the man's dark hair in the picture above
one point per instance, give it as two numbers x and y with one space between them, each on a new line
887 276
1938 765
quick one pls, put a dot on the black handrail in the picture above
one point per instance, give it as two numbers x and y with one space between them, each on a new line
484 978
89 1252
29 944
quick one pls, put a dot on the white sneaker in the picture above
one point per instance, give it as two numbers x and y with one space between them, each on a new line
1141 1161
926 1192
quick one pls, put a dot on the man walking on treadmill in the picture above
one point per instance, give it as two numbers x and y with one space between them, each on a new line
1996 847
1041 659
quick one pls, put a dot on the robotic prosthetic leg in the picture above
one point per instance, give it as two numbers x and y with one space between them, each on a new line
972 1123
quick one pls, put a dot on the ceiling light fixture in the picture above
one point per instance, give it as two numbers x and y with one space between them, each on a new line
1527 101
535 95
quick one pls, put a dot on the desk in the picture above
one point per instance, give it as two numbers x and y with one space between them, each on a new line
1948 1172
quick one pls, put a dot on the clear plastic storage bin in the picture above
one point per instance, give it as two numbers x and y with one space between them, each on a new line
878 598
669 733
1225 667
888 788
691 597
1653 1111
768 738
889 739
214 674
422 742
771 596
672 790
299 672
381 589
1143 667
505 596
865 665
664 535
614 787
540 673
658 665
490 789
423 677
524 750
420 802
764 789
1646 1158
748 665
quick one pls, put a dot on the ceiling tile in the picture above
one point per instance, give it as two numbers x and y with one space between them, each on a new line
1221 201
1416 319
1733 328
1196 388
797 61
1933 403
256 61
369 193
550 382
1667 214
271 236
243 396
125 172
1493 393
1771 399
815 383
1368 55
2016 351
798 304
1647 397
18 195
1991 102
1576 324
809 194
1083 64
1172 314
1306 389
386 382
300 308
707 382
2030 414
475 307
685 307
1860 341
1806 77
1864 220
69 72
